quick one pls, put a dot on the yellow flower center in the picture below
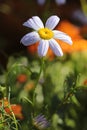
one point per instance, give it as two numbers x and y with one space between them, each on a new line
45 33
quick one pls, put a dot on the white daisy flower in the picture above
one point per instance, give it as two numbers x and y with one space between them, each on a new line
45 35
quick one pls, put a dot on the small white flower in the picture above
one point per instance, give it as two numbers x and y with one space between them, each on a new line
41 2
59 2
45 35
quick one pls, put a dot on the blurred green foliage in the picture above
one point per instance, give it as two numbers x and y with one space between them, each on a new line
60 94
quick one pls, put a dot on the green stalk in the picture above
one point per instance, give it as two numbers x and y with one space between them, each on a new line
41 69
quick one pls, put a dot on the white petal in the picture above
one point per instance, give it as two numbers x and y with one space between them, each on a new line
30 38
62 36
52 22
38 21
43 48
55 47
34 23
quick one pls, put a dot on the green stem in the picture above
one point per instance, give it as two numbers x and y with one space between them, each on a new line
9 92
41 69
29 101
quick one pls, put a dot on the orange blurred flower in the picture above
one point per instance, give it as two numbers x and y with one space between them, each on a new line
22 78
79 44
32 49
85 82
69 28
29 86
16 109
